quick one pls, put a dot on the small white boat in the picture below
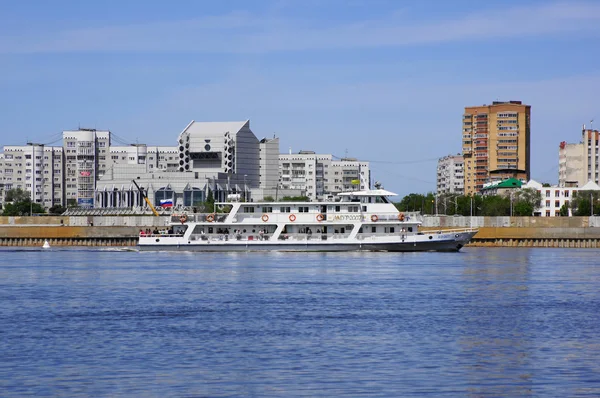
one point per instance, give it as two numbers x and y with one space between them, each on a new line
46 244
357 221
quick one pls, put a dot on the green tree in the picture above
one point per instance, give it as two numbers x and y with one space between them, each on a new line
495 206
564 210
295 199
411 202
581 204
56 210
20 204
17 195
526 201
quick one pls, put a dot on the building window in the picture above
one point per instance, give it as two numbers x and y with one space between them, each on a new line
547 203
557 203
557 194
547 193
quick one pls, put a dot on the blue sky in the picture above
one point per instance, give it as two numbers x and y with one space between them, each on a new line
380 80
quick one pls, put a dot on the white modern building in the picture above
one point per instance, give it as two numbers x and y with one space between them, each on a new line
221 157
451 175
579 163
553 198
319 176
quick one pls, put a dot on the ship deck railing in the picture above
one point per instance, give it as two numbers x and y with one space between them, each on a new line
300 218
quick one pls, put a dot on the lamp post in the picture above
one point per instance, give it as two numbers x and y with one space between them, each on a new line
245 189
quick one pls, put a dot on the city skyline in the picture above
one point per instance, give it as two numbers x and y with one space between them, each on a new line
380 81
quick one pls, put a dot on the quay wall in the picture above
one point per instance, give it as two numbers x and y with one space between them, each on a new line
581 232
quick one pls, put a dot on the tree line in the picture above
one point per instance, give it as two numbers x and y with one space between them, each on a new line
522 202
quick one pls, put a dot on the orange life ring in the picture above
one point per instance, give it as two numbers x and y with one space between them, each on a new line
292 217
320 217
210 218
265 217
374 218
183 218
401 216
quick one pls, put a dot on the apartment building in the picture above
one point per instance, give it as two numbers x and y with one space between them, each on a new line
496 143
319 176
579 163
86 160
35 168
450 175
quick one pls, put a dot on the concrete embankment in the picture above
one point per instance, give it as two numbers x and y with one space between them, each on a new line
76 230
579 232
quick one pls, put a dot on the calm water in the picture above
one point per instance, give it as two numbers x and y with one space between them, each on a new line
484 322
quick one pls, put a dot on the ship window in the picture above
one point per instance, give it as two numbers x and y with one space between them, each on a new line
392 230
364 208
360 230
284 210
409 229
267 209
210 230
373 229
303 209
248 209
337 208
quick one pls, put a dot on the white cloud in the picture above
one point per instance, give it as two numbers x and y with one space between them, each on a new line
242 32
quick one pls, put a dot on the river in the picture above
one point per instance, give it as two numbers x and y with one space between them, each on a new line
482 322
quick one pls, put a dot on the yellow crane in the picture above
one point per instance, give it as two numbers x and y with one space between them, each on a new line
146 198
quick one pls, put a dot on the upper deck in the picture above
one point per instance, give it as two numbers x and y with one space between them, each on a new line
358 206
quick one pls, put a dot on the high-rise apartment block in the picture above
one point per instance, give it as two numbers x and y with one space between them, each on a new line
35 168
450 175
579 164
496 143
319 176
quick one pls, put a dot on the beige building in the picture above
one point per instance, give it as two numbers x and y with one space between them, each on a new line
579 163
496 143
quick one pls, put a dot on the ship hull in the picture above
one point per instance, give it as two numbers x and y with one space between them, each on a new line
446 245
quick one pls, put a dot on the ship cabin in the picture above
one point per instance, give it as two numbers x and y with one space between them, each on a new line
351 215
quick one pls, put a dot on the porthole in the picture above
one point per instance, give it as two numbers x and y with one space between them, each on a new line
430 237
158 240
207 147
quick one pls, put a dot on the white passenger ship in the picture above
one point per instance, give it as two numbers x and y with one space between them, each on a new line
357 221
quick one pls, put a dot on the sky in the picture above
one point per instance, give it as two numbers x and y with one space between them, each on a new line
379 80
